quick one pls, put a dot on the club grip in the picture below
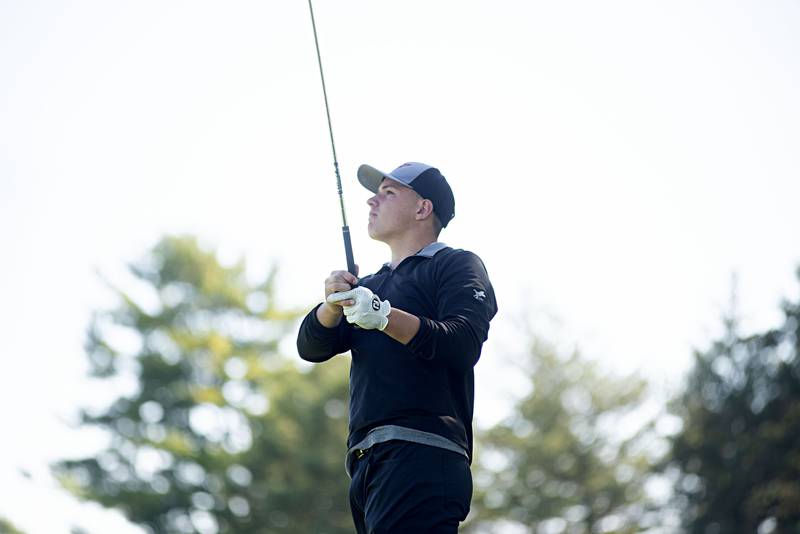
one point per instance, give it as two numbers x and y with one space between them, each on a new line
348 250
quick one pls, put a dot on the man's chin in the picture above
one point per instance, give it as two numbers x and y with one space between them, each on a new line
373 233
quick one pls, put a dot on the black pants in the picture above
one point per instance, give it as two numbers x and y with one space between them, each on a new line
401 487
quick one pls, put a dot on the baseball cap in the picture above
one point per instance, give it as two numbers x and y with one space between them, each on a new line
427 181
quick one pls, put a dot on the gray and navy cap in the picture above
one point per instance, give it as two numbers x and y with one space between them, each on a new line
427 181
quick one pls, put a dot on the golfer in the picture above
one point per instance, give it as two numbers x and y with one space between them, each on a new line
415 330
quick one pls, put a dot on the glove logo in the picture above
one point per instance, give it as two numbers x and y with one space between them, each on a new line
479 295
376 303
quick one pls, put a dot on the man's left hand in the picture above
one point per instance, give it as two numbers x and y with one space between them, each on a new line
367 311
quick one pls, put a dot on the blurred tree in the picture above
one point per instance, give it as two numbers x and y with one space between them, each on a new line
571 457
219 432
737 456
7 527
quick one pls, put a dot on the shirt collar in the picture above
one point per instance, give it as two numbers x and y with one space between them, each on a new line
431 250
428 251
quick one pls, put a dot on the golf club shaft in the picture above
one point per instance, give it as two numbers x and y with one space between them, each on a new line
348 247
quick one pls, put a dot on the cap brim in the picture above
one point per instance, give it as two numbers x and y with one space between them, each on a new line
370 177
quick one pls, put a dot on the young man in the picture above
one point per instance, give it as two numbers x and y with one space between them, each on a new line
415 330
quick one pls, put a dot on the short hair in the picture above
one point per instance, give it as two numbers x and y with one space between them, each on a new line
437 225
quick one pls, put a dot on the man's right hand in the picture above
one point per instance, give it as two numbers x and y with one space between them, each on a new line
329 314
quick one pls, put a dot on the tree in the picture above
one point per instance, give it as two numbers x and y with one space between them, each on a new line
737 457
569 458
7 527
221 433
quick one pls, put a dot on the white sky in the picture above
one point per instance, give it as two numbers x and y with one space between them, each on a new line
613 164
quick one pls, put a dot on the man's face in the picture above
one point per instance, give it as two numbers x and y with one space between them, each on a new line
392 210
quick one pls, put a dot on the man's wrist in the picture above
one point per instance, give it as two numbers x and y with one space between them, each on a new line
329 315
401 326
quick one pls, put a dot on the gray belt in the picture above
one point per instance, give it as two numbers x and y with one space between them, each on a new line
381 434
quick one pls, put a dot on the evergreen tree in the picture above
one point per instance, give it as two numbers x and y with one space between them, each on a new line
738 453
569 458
221 433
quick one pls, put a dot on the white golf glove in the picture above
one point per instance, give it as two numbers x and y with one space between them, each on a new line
368 311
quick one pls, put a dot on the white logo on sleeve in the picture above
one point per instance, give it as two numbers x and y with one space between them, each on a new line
479 295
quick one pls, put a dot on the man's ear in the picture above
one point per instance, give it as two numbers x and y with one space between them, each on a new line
424 209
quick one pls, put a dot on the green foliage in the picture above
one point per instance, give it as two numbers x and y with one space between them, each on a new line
569 459
220 433
738 453
6 527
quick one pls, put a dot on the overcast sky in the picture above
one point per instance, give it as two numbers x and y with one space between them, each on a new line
613 163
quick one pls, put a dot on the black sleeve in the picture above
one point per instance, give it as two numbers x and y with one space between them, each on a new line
317 343
465 304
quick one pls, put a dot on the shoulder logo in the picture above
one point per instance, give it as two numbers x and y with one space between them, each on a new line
479 295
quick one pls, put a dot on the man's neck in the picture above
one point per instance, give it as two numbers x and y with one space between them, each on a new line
404 248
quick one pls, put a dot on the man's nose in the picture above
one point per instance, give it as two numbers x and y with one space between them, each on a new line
372 201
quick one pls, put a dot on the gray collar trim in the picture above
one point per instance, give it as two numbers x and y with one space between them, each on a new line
427 252
431 250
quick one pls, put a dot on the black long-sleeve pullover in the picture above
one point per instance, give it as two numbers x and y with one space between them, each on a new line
428 384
